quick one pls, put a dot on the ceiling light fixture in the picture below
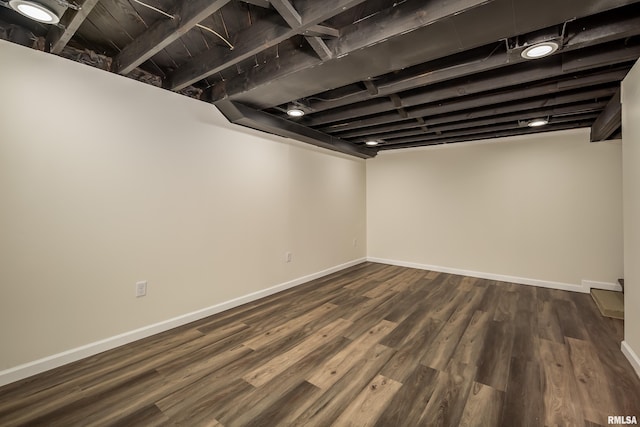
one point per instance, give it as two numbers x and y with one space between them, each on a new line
537 123
34 10
372 143
295 112
540 50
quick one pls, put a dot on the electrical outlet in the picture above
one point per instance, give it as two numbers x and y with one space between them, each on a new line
141 289
288 256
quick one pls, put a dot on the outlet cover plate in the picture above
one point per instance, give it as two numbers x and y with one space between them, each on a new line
141 289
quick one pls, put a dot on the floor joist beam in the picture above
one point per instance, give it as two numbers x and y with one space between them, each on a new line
255 39
164 32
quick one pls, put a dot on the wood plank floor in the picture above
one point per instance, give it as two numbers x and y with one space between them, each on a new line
374 345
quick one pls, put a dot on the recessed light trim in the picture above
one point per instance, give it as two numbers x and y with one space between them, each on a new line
372 143
34 10
295 112
540 50
537 123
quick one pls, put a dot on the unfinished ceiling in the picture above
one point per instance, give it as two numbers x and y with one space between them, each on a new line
399 74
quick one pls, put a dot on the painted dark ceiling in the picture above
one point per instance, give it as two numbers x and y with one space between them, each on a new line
404 73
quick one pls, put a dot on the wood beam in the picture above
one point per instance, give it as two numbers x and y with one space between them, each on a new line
403 18
58 37
372 89
478 118
243 115
495 99
321 31
620 28
288 13
488 135
448 69
262 35
320 47
262 3
514 124
164 32
262 88
507 78
609 121
491 82
294 20
578 61
483 102
515 117
398 105
397 102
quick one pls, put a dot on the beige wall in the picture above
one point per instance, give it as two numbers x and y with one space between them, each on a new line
546 207
631 184
105 181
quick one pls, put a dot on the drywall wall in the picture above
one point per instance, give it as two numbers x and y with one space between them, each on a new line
105 181
631 197
545 208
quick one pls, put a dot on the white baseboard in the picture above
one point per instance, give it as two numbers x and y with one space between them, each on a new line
631 356
489 276
38 366
590 284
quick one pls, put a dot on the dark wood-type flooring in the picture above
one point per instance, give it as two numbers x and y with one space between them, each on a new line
372 345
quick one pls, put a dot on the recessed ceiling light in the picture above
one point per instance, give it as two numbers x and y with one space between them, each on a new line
540 50
295 112
372 143
35 11
537 122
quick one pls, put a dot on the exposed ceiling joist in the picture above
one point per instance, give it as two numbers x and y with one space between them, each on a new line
259 37
523 109
436 134
404 18
288 12
372 89
164 32
320 47
246 116
321 31
294 20
58 36
317 30
490 83
489 135
589 108
500 102
399 33
450 69
601 32
577 62
404 73
609 120
261 3
484 101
